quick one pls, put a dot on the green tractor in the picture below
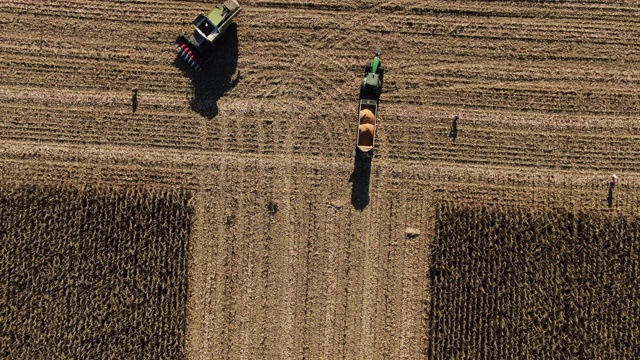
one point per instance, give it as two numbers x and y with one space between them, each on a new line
198 48
371 87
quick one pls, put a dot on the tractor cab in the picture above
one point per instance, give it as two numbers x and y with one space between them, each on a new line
371 87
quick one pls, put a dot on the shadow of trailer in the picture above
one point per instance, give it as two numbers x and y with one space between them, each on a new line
360 182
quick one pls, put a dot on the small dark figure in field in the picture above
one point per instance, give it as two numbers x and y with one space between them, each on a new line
134 99
612 185
453 133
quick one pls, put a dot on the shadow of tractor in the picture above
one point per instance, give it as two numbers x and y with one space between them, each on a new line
217 76
359 180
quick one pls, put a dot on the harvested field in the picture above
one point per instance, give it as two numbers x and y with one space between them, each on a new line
297 249
93 273
513 283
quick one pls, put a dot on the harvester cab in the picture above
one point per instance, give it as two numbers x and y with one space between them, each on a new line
197 49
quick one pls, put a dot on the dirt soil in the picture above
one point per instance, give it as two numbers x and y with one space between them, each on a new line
298 249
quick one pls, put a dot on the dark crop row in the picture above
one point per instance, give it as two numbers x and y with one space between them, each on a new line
93 273
510 283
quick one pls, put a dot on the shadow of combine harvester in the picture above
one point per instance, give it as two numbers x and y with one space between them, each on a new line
214 79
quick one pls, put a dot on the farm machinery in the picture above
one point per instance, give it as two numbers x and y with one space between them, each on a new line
370 91
198 48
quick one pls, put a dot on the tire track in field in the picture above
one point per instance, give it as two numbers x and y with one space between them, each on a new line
283 263
544 26
173 168
415 262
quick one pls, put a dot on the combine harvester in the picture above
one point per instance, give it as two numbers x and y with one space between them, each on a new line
370 91
198 48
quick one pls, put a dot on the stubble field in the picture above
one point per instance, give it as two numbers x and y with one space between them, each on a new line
295 249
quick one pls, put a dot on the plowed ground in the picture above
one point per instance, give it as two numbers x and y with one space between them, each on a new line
298 250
